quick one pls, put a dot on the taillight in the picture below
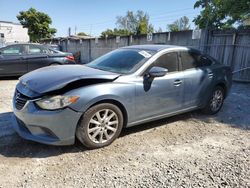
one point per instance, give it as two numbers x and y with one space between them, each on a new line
70 57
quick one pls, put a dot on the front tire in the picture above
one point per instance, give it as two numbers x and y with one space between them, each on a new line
215 101
100 126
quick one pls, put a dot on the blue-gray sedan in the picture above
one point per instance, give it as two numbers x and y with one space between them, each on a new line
128 86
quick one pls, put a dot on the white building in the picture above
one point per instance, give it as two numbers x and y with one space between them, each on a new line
12 33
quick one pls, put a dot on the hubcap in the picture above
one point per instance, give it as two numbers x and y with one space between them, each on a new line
216 100
103 126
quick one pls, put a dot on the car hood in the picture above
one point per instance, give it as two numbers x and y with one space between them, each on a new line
52 78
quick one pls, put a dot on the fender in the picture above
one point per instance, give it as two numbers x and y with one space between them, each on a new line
121 92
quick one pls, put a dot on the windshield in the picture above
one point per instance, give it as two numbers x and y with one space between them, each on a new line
122 61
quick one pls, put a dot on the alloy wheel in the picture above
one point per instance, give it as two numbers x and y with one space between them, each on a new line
102 126
217 100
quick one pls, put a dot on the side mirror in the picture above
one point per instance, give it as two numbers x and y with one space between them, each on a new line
157 72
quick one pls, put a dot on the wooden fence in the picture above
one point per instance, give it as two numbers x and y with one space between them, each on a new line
231 48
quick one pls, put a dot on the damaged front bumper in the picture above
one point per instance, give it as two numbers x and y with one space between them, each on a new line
55 127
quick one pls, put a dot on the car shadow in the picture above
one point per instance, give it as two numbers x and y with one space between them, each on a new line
6 122
15 146
157 123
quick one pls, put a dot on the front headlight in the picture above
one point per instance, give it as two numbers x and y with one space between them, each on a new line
56 102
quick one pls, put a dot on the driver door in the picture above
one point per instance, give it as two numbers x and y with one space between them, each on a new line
12 60
160 95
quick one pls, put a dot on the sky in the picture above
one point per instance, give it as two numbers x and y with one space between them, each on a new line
95 16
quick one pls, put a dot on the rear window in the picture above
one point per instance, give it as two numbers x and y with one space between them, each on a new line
52 51
189 60
192 59
33 49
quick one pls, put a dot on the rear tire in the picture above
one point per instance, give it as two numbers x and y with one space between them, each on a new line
100 126
215 101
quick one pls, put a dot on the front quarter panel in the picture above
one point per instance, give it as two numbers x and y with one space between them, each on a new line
124 93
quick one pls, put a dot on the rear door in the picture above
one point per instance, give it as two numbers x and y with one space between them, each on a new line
37 56
197 75
12 60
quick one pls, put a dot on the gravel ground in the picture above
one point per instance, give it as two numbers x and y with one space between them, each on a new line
189 150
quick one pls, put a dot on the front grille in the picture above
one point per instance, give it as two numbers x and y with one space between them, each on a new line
20 100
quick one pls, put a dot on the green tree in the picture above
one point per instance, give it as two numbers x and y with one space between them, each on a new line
107 32
181 24
221 13
81 34
115 32
135 23
38 24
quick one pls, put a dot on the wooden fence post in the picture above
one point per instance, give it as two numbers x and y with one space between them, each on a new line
89 50
233 53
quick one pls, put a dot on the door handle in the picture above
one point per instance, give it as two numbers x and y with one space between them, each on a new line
177 82
210 75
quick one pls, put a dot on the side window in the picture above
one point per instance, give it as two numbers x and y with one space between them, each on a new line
52 51
168 61
190 60
36 50
12 50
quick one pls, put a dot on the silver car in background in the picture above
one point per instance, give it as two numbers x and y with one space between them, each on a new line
126 87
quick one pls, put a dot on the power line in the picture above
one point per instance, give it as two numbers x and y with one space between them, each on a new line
153 17
156 20
165 18
113 21
173 15
173 11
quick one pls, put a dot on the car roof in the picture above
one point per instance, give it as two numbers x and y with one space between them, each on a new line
24 43
154 47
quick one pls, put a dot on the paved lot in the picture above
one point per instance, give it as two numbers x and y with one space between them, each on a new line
189 150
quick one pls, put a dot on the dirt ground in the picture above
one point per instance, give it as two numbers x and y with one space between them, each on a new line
188 150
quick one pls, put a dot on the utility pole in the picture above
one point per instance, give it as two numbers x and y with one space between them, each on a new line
75 29
69 31
126 23
90 32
